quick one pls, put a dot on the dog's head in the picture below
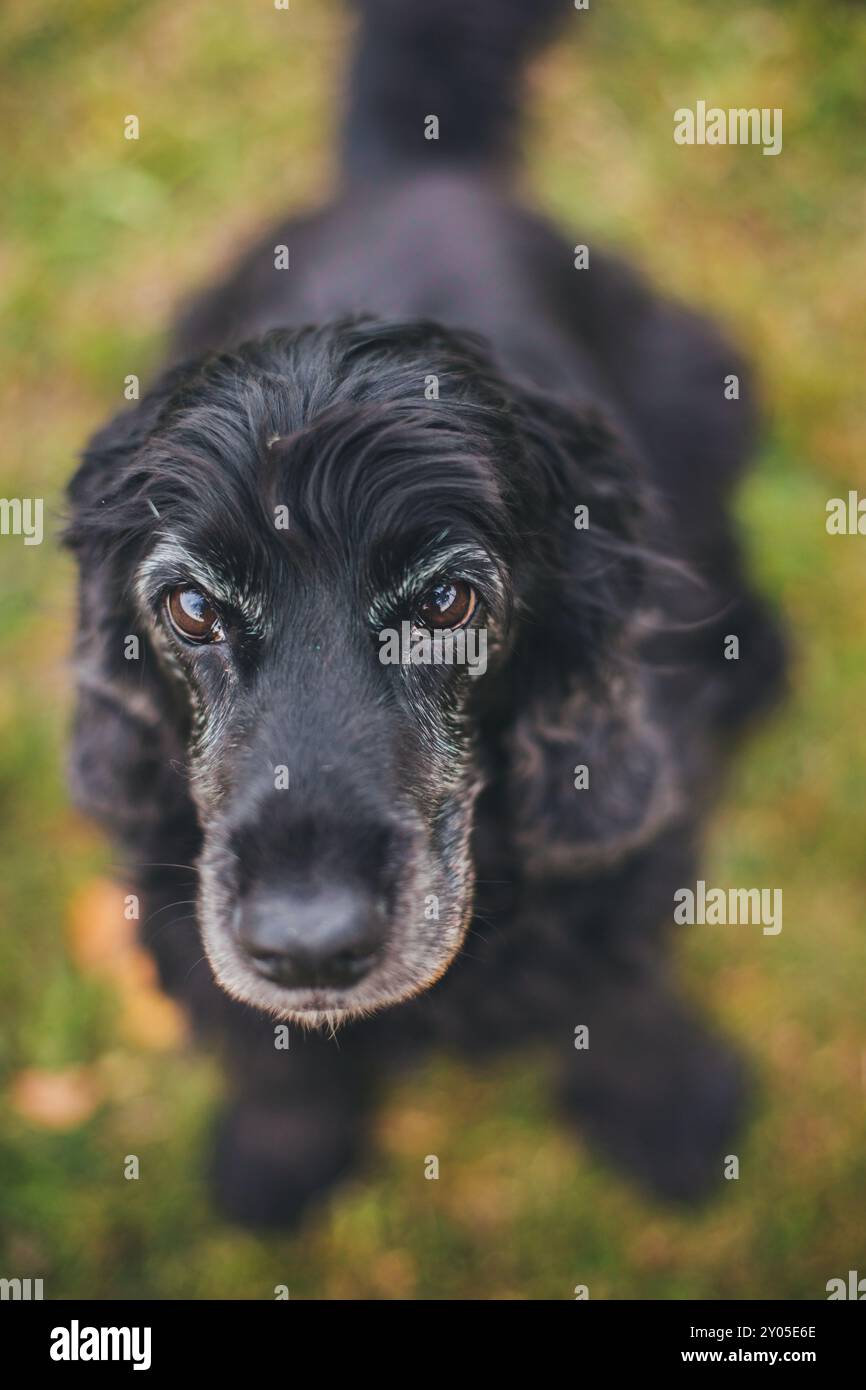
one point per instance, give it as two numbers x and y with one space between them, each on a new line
313 571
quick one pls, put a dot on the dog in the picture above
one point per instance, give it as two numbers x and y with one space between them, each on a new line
409 412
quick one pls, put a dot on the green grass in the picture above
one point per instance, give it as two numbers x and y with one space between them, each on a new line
101 237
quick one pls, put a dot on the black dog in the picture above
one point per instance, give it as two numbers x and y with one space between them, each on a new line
523 470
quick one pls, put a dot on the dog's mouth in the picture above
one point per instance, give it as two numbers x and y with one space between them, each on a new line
402 974
322 942
340 958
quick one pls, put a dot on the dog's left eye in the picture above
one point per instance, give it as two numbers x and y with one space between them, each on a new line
193 616
449 604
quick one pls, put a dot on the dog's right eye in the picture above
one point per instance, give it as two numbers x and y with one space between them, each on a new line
193 616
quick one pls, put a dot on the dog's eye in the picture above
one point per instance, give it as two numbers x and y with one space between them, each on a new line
450 603
193 616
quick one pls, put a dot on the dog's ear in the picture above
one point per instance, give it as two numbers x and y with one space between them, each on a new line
109 453
591 769
127 751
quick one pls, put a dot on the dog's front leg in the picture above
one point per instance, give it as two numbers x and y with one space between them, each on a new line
295 1117
654 1088
637 1071
294 1125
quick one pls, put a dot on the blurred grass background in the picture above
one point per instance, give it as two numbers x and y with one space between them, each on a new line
100 237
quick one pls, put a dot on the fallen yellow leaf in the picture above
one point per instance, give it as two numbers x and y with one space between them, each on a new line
104 942
61 1099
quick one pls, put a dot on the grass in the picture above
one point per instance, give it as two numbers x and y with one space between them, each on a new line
101 237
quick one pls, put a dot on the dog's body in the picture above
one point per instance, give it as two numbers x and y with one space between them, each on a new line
603 658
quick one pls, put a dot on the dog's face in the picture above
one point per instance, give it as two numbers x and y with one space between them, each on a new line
331 755
329 542
334 776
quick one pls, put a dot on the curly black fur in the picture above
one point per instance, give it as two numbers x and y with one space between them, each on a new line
556 390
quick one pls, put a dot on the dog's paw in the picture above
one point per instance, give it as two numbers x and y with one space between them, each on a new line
667 1109
271 1162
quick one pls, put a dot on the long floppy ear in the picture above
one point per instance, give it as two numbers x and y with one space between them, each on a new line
127 754
592 771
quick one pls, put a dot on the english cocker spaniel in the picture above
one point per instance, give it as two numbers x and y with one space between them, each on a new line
405 601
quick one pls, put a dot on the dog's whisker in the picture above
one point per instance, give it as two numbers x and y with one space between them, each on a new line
201 960
182 902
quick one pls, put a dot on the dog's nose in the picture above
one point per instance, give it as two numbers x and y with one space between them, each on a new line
329 938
